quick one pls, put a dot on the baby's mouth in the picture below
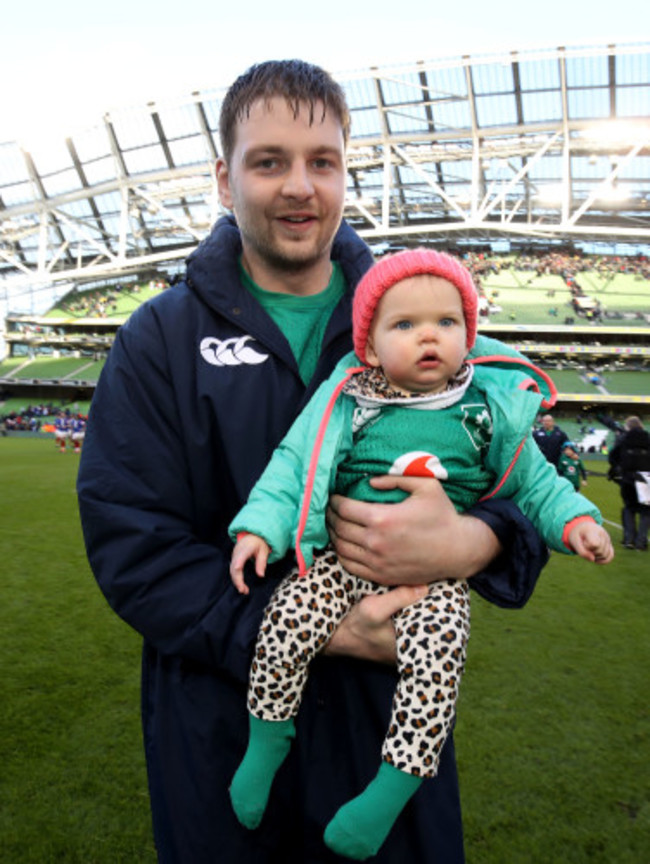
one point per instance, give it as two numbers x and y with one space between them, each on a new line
430 359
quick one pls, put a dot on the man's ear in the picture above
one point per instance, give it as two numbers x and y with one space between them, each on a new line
223 183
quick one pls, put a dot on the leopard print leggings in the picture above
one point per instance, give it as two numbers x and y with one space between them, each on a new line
431 637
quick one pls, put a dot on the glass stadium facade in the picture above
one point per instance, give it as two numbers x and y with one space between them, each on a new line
511 151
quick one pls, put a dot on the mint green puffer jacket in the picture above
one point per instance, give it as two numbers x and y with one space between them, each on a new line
287 504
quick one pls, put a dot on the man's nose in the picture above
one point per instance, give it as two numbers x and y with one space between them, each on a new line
297 182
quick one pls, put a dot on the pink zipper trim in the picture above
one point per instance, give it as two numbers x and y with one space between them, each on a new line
313 465
525 385
506 473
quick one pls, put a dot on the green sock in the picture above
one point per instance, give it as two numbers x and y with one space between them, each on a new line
360 827
268 745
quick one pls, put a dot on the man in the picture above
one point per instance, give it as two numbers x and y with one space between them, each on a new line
200 386
630 465
550 439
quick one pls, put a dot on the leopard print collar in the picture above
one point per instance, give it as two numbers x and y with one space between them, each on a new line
371 386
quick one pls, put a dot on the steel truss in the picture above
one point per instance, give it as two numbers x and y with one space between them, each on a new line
138 191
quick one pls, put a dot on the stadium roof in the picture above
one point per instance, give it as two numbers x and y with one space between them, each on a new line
542 146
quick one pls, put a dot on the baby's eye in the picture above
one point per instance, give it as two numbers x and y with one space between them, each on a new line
447 322
403 325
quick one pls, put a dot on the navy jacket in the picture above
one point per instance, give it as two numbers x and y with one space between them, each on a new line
551 444
198 389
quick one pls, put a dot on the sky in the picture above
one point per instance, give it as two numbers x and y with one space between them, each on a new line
64 64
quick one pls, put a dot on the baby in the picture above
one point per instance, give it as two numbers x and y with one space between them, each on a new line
418 405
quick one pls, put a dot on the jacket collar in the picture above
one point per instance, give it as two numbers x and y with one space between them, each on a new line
212 269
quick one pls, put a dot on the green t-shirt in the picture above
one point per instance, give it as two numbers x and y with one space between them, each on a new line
302 320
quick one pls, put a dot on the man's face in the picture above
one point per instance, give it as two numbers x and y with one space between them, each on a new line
286 186
548 423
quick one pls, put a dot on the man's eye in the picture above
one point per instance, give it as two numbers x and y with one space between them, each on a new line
267 164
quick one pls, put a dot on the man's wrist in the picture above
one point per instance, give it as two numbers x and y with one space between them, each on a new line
510 578
481 543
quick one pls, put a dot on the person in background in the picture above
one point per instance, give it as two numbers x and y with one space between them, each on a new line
77 432
629 461
62 430
550 439
570 466
201 384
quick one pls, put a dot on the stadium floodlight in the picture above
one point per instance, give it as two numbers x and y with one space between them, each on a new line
612 193
551 193
618 132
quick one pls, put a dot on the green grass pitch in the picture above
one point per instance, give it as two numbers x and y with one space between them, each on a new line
553 733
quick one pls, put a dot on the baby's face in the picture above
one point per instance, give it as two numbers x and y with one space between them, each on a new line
418 334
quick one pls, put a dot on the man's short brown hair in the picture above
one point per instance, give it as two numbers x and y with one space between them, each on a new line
298 82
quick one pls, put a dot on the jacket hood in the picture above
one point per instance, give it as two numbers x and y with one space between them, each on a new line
526 376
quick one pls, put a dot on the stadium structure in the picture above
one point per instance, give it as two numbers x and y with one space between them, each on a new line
533 166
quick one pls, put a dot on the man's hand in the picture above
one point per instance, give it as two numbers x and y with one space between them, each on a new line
420 540
367 631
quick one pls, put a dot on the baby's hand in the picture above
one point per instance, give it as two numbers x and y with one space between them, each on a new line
248 546
591 541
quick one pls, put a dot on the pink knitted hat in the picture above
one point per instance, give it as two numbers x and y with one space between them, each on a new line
412 262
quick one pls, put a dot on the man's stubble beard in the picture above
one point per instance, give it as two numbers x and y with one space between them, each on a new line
281 261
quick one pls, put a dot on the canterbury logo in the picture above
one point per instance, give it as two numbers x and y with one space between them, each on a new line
230 352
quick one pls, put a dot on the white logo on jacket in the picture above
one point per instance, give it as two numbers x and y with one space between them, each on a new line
230 352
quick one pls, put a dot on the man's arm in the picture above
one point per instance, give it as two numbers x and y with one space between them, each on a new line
157 566
423 539
419 540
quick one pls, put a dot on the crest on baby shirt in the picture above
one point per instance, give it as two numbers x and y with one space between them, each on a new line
477 423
